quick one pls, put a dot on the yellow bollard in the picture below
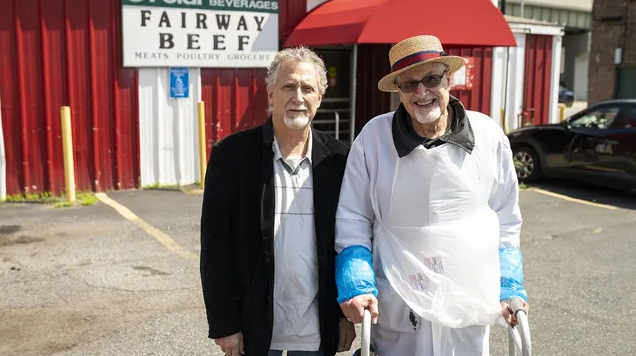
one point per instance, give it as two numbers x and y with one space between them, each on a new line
67 145
561 112
504 122
202 144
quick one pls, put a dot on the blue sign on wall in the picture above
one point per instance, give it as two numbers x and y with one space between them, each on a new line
179 82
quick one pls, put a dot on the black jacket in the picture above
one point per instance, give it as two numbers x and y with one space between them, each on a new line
237 235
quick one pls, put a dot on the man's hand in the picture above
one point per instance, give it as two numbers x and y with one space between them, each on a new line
346 334
507 314
232 345
353 308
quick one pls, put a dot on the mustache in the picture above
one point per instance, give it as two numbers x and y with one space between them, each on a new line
425 99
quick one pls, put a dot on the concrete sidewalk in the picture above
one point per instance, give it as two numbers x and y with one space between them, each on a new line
76 278
87 281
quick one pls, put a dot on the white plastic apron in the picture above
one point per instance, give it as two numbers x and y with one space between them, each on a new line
438 249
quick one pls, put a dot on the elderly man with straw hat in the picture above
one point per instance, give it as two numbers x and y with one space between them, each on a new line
428 221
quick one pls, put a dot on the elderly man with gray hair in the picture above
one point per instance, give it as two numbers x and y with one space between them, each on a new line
428 224
267 225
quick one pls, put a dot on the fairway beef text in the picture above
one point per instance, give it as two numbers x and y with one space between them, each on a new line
220 22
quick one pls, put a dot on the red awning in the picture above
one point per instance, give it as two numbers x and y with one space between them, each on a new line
454 22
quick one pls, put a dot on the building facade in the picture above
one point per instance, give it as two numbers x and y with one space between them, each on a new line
612 72
131 129
575 17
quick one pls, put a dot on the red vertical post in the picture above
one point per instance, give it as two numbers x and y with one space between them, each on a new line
96 146
49 176
114 33
547 83
26 174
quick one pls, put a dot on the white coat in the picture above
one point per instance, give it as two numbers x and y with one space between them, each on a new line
434 221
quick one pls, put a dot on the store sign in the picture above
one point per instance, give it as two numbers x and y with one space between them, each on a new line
199 33
463 78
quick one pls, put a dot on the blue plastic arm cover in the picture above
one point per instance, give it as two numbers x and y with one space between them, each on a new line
354 273
511 266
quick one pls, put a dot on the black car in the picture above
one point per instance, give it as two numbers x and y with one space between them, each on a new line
566 96
597 145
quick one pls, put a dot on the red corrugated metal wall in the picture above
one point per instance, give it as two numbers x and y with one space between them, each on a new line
290 13
536 89
373 64
478 97
236 99
67 52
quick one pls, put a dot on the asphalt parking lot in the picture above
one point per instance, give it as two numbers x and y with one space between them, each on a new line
100 281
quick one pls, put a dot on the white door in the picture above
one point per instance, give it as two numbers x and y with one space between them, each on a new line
581 68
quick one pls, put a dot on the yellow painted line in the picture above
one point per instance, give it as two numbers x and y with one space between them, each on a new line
159 235
574 200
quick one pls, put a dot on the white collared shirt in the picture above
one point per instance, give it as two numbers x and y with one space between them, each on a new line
296 325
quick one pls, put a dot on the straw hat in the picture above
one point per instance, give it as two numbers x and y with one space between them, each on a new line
416 51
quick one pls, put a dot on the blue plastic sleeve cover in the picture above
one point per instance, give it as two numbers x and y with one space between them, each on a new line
511 266
354 273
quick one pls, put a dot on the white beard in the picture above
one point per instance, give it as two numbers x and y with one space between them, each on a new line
426 117
298 122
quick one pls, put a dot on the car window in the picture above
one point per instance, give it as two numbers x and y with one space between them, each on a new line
601 118
625 119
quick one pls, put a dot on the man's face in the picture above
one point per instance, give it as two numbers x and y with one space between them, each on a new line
426 105
295 96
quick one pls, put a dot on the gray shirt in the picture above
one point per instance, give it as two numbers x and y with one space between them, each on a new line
296 325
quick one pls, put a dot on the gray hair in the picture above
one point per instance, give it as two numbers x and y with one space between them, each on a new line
296 55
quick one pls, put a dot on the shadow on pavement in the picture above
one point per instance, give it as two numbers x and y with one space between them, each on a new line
587 192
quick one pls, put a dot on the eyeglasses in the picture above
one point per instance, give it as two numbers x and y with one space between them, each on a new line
430 81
